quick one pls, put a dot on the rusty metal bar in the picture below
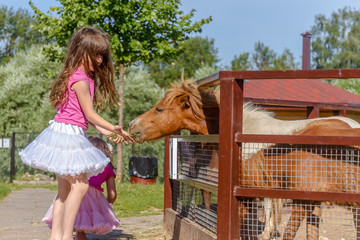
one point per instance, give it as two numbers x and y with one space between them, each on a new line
231 94
292 74
300 195
298 139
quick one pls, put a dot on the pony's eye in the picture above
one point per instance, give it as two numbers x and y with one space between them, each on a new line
159 109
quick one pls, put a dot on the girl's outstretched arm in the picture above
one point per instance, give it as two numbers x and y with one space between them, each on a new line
111 189
83 93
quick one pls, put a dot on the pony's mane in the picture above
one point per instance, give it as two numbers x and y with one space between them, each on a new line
252 109
187 90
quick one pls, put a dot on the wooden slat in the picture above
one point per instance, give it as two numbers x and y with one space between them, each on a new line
231 93
292 74
300 195
298 139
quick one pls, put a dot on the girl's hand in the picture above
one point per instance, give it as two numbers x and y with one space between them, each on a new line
114 137
127 138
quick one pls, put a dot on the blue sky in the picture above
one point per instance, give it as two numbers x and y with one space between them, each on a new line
238 24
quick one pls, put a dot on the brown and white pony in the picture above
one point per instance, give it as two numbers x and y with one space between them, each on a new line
184 106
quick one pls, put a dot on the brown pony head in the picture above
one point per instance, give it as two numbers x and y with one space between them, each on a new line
184 106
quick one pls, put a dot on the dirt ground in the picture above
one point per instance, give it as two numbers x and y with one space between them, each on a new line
141 228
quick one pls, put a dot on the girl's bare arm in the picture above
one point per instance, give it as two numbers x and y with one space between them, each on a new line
83 93
111 190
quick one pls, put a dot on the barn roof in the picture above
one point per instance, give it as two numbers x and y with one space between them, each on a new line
304 90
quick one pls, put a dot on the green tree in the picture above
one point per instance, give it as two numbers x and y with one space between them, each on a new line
241 62
203 72
351 85
15 32
26 82
139 30
195 53
336 40
141 94
284 61
263 56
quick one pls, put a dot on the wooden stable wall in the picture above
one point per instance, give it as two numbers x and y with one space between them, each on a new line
229 190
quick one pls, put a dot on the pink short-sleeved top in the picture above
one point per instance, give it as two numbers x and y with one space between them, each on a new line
70 111
97 180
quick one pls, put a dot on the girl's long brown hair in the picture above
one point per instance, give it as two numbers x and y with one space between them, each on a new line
84 46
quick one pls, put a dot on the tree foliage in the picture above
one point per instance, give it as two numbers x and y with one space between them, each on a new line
139 30
15 32
24 96
141 94
284 61
336 40
203 72
195 53
241 62
264 58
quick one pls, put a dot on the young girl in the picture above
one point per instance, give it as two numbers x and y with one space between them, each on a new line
95 214
63 147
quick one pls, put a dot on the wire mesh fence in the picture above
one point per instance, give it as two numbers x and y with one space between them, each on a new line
189 202
5 143
291 167
301 167
198 160
195 171
299 220
11 165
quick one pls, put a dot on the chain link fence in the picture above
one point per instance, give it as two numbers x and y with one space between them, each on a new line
11 166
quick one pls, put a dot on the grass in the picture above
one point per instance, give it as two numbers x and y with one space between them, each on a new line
139 200
132 199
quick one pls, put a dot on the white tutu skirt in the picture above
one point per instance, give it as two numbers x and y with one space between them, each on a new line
65 150
95 216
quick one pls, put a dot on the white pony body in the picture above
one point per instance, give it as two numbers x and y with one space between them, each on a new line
257 121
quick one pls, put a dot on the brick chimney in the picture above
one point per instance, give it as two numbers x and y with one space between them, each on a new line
306 51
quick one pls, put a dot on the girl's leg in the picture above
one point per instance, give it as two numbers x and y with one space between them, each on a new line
58 209
79 186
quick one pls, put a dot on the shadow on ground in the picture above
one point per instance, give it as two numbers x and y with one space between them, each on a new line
114 235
